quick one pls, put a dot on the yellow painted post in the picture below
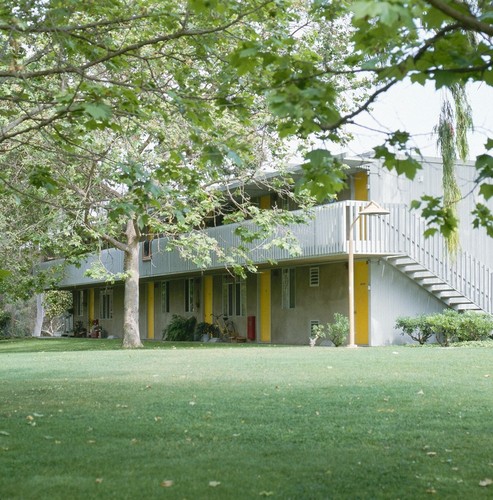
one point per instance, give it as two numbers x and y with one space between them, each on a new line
361 302
207 299
150 310
265 306
361 268
360 186
264 202
90 307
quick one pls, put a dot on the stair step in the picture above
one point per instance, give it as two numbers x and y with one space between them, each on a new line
444 294
421 274
406 262
438 287
456 300
411 268
402 261
468 307
432 280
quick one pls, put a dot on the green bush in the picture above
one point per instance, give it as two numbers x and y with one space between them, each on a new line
445 326
475 326
337 331
449 326
204 328
417 328
180 328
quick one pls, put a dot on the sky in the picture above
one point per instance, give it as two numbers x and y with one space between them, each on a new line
416 109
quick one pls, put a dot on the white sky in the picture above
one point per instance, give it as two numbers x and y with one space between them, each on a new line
416 109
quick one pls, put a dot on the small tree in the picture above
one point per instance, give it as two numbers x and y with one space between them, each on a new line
417 328
56 303
337 332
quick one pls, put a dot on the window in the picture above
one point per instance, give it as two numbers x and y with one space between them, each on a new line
314 276
146 250
288 285
189 293
106 304
165 297
234 296
79 301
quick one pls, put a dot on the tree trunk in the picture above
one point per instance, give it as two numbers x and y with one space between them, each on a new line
40 314
131 332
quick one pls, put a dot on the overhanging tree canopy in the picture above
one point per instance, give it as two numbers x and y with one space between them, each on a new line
131 118
133 104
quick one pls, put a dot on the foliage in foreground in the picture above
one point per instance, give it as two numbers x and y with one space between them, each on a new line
447 327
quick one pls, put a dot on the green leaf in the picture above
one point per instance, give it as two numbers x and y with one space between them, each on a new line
98 111
484 165
430 232
402 161
486 190
41 177
4 273
419 77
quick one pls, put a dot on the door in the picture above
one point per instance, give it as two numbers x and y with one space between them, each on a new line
361 302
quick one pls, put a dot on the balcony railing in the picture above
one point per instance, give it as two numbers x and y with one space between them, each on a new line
324 235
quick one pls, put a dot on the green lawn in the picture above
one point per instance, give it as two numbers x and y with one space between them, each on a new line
84 419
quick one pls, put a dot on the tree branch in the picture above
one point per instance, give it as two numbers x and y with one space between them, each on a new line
80 70
468 22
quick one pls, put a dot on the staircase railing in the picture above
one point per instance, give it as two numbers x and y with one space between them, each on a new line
464 272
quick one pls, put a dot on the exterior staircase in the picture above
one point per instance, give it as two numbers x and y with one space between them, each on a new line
435 285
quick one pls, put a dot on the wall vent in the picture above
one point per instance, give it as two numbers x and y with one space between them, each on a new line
314 276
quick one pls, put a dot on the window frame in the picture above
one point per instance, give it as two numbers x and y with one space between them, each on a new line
165 297
106 305
147 249
189 292
79 310
234 296
288 288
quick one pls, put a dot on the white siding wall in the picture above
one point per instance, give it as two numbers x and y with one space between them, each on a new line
393 294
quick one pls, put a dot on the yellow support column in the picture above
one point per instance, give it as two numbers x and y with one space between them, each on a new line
360 186
207 299
264 202
90 307
361 311
265 306
361 274
150 310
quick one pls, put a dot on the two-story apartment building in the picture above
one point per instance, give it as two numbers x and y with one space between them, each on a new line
397 271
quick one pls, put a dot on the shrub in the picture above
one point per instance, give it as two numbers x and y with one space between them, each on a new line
475 326
180 328
445 326
337 331
449 326
204 328
417 328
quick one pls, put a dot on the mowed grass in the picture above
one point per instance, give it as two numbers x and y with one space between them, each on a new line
85 419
